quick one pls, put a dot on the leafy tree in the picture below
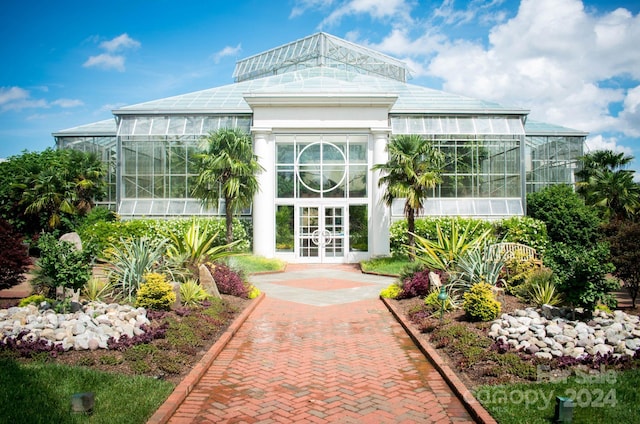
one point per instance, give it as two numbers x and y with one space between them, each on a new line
567 217
14 257
414 167
40 191
227 169
625 255
607 184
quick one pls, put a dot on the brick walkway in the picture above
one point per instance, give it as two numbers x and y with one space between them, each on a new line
346 361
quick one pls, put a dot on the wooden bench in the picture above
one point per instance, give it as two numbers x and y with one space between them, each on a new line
516 250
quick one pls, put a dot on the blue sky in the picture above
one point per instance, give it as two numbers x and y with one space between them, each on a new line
68 63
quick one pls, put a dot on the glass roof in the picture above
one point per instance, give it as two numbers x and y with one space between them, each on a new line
101 128
229 99
320 49
541 128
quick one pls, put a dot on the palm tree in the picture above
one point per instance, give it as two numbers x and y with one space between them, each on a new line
616 192
68 183
227 169
414 167
606 183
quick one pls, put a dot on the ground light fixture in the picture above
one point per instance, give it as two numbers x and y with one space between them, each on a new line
442 297
564 410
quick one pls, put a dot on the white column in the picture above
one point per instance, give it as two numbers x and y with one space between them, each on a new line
380 213
263 200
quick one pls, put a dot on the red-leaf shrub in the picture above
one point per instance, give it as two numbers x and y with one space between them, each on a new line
417 285
228 281
14 257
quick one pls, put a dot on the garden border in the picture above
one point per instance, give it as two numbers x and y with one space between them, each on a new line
472 405
179 394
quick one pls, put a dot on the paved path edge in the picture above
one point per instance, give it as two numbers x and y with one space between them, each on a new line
472 405
179 394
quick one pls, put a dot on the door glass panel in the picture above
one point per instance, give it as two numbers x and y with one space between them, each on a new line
308 227
333 232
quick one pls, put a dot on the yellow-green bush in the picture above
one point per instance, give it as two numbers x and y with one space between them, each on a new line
34 299
254 292
435 304
391 292
480 304
155 293
518 270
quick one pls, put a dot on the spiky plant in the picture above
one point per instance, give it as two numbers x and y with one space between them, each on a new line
131 260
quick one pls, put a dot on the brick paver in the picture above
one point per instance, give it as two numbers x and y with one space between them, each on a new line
347 363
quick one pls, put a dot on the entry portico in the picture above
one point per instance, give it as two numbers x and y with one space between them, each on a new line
317 150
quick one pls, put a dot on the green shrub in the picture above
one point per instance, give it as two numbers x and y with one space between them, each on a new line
428 228
582 272
391 292
102 235
480 304
567 218
60 265
524 230
155 293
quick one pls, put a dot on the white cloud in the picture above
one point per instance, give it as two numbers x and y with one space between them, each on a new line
110 60
17 98
105 61
227 51
12 94
302 6
552 57
376 9
630 115
66 103
599 142
120 42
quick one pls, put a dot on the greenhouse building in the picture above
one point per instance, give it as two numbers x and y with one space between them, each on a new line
320 111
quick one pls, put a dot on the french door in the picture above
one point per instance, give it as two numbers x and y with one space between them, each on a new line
321 233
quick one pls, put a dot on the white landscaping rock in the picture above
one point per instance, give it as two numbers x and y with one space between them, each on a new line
89 328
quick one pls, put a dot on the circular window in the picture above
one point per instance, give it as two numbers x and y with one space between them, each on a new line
320 167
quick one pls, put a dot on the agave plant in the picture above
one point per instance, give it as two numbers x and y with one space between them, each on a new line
192 293
96 289
543 289
478 265
196 246
131 260
445 252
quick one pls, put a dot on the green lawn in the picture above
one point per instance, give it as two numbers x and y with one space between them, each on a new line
41 393
610 397
385 266
253 264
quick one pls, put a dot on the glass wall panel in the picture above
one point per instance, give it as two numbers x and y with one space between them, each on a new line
358 181
358 228
284 228
321 166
